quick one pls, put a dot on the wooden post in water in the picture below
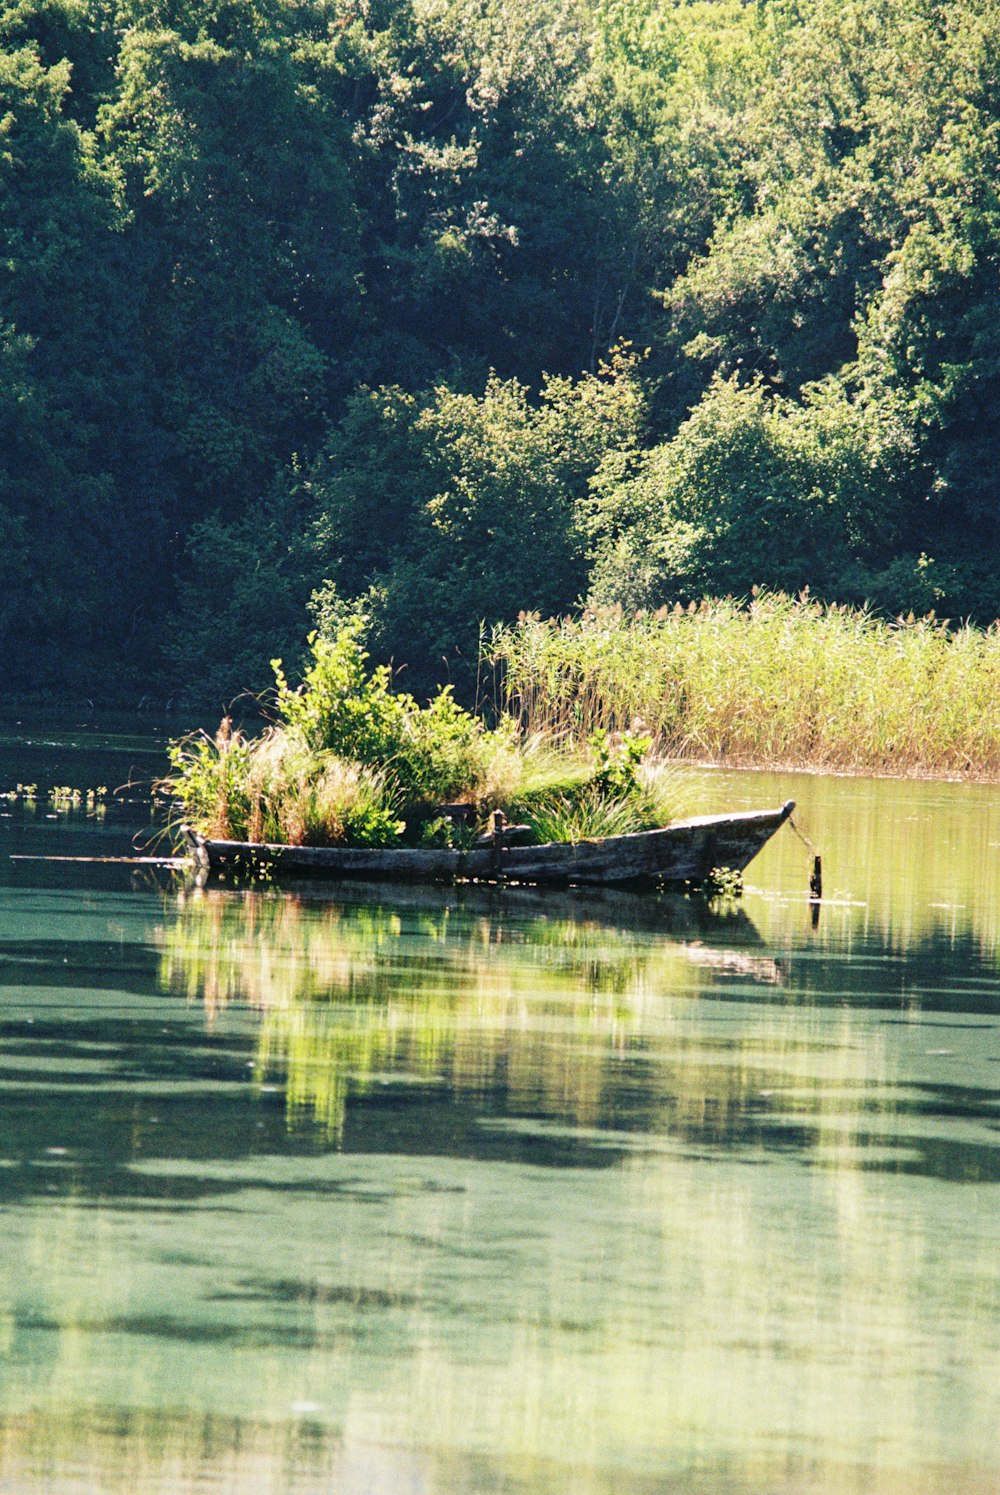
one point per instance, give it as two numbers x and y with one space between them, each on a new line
499 821
816 880
816 889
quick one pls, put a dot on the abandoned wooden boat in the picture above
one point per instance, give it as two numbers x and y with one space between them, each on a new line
679 855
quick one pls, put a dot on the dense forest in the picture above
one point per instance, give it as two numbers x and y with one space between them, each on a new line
467 307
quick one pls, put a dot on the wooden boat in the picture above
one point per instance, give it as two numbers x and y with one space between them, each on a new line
678 855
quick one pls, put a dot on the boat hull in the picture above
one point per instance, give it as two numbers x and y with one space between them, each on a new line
681 854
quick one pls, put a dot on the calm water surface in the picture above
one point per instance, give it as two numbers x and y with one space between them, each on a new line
441 1192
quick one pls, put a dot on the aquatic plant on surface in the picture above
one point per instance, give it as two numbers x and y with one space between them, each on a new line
60 796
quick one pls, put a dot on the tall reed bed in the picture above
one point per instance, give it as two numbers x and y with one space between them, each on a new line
776 680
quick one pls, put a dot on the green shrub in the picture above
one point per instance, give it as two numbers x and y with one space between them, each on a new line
340 707
352 761
445 751
617 760
433 753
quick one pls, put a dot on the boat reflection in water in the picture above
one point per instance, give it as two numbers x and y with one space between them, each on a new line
537 991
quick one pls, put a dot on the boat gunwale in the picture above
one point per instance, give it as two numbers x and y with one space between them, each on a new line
560 860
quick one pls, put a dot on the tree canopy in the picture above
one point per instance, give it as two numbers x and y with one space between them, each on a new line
468 307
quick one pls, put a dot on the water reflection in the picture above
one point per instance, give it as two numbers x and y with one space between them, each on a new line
459 1327
438 1192
485 1002
905 862
574 1039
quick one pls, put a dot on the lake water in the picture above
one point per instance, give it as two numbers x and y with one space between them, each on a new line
432 1191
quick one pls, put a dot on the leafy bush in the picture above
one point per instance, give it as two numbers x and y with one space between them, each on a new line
432 753
340 707
617 761
351 762
445 752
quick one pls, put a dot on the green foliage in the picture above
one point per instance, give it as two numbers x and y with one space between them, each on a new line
443 831
753 489
617 761
339 707
586 816
273 789
354 762
466 508
297 295
63 342
865 257
241 595
343 708
433 753
349 756
445 750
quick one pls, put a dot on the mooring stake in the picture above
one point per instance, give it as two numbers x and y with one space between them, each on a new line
816 880
499 822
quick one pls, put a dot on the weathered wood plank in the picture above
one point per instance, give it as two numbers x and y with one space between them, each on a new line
685 852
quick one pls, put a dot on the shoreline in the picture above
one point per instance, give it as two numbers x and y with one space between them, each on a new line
733 765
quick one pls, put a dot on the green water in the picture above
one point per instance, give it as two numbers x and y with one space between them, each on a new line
418 1191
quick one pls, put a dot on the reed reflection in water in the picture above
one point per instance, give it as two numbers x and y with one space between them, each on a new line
809 1295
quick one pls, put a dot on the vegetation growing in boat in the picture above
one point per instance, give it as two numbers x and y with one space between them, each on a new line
351 761
622 793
